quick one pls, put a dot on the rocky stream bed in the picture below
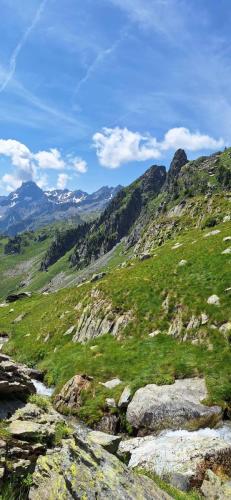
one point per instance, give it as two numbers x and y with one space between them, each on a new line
175 436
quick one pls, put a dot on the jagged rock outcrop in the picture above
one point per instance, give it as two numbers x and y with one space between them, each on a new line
70 395
177 406
81 470
98 318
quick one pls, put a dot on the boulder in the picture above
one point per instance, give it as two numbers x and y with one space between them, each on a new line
181 457
87 471
70 395
177 406
107 441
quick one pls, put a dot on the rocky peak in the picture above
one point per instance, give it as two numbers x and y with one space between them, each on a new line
153 179
178 161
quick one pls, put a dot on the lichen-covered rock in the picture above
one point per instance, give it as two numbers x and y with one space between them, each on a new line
70 395
175 406
84 471
181 457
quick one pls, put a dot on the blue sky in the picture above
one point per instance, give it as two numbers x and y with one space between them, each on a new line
94 92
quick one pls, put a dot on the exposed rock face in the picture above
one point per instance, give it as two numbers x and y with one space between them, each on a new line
181 457
175 406
14 379
179 160
81 470
99 318
70 395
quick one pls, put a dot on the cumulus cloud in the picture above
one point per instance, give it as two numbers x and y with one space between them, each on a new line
30 166
62 181
50 159
115 146
182 138
79 165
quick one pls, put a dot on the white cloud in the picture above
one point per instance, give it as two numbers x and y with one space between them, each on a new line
115 146
30 166
182 138
79 165
50 159
62 181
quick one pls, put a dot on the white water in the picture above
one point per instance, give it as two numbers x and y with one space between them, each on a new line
42 389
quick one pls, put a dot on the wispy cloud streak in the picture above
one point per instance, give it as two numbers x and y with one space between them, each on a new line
18 48
97 61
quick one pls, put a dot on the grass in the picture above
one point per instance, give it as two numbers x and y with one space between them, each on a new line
136 358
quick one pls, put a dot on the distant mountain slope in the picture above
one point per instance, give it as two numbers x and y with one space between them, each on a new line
29 207
140 211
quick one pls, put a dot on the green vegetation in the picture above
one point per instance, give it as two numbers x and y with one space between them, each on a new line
62 431
41 401
136 358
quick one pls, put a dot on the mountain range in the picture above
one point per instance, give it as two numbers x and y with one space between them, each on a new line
29 207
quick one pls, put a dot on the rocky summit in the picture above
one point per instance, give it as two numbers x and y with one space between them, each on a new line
115 333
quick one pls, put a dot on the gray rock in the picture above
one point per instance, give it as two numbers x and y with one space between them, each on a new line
110 403
176 406
84 471
181 457
125 398
111 384
19 296
107 441
14 379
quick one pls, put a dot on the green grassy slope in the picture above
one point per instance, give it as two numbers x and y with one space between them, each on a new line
136 358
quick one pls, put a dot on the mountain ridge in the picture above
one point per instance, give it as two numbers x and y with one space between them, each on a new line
29 207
